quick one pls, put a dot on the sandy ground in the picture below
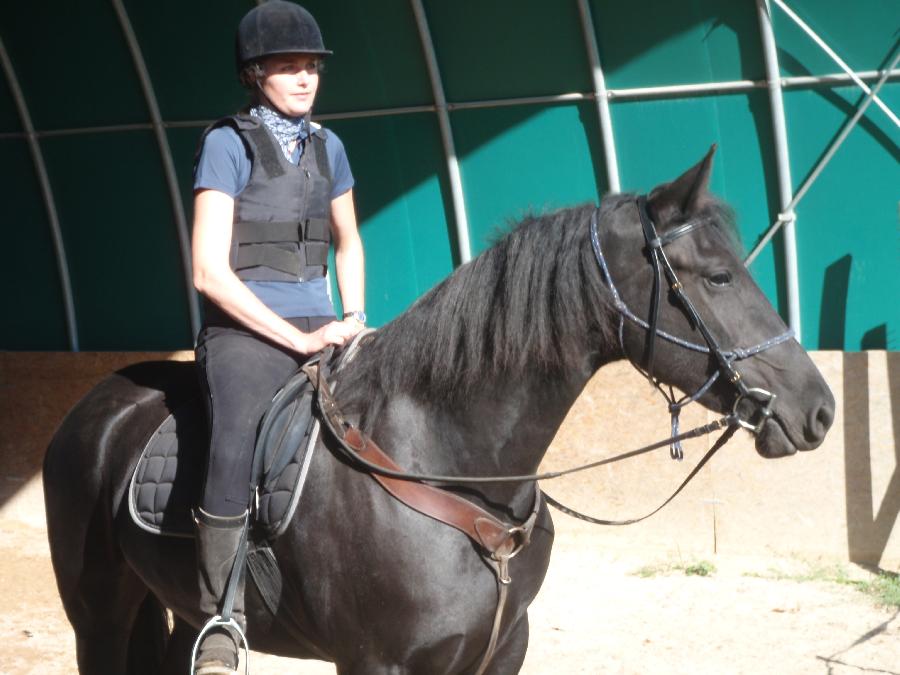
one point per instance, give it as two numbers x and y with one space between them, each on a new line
594 615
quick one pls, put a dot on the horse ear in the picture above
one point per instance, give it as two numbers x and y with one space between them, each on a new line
685 195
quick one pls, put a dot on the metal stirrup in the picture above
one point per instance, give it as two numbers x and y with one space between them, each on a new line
216 622
225 619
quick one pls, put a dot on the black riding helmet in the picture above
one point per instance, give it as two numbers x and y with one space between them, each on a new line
277 27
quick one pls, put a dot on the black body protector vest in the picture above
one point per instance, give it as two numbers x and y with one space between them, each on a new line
282 219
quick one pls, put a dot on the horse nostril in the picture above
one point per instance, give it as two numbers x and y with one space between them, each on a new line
820 423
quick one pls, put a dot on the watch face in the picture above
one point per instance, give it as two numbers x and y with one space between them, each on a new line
358 316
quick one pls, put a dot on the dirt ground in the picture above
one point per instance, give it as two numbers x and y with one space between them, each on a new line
594 615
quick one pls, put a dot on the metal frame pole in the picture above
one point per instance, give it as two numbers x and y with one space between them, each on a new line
40 169
837 59
779 130
820 165
602 97
440 100
165 152
629 94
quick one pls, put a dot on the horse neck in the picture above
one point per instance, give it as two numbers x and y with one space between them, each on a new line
507 427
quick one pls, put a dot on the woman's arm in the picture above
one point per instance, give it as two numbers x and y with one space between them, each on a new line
214 278
348 253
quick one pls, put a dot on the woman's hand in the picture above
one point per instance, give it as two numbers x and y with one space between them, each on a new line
334 333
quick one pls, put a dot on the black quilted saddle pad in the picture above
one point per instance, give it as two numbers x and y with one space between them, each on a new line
167 480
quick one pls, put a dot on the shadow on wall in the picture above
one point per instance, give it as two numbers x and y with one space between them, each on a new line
868 526
833 310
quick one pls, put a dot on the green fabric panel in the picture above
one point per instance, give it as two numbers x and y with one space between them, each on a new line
377 61
847 224
193 72
400 193
861 33
116 218
9 115
73 64
526 158
658 140
646 43
32 301
491 50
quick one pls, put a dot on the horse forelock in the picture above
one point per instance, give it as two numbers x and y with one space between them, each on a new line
534 301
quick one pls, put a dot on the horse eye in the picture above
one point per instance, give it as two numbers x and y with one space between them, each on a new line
720 279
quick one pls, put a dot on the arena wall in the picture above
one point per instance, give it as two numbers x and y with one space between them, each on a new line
840 502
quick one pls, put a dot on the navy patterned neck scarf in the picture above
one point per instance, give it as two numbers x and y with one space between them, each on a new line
285 129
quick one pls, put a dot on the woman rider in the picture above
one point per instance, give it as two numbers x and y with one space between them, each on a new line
271 189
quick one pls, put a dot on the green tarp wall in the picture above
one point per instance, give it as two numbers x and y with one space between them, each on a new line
108 185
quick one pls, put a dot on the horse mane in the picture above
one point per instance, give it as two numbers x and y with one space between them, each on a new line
535 300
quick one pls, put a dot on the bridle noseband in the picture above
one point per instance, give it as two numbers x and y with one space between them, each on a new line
761 399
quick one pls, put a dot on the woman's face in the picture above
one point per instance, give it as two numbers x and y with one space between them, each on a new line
290 82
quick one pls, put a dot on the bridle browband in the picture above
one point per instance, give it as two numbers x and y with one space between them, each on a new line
762 399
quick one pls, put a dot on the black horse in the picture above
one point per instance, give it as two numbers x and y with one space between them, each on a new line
475 378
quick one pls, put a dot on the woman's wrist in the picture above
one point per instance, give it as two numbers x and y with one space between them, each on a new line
301 343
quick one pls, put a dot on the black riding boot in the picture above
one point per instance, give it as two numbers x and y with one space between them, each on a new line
218 540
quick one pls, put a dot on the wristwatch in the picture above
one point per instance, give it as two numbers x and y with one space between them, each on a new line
359 316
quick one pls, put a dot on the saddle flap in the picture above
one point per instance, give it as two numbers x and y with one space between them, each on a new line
283 451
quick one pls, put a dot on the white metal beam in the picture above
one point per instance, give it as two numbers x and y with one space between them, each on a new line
601 95
820 165
440 102
837 59
785 188
614 95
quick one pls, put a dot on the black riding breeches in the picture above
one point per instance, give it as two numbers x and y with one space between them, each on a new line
240 372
